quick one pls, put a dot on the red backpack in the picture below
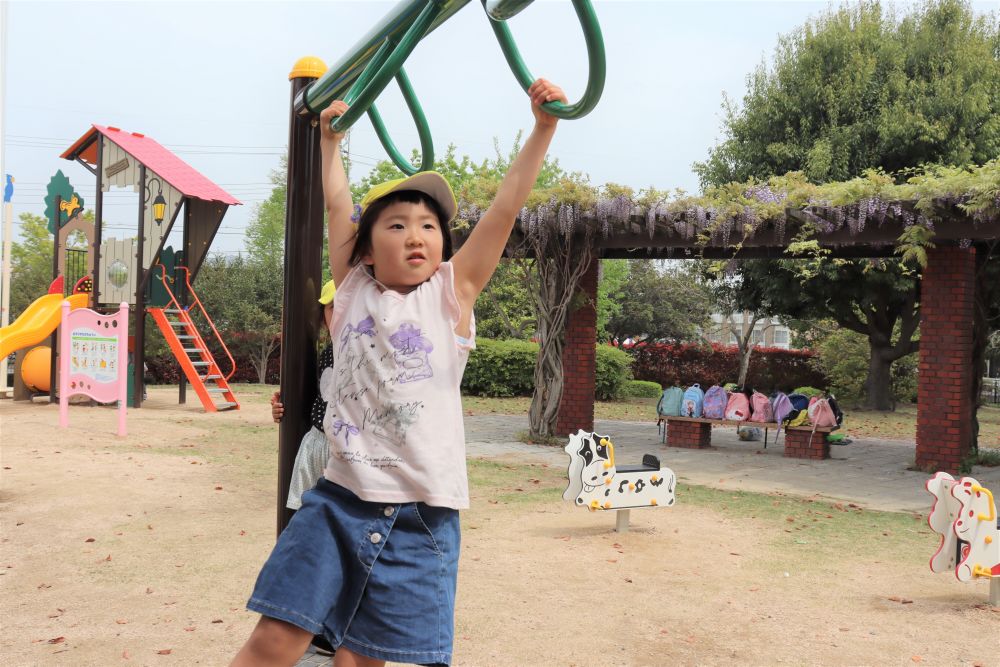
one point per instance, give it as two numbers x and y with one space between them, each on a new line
760 406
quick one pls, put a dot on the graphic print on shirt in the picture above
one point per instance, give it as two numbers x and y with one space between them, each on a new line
368 372
365 327
412 351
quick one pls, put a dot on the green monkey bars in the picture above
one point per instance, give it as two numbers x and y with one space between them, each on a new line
360 76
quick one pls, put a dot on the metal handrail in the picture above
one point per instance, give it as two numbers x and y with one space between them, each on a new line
361 76
173 300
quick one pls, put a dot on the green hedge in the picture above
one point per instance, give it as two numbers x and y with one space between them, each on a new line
614 370
502 368
643 389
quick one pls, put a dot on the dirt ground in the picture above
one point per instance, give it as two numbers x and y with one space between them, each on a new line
142 551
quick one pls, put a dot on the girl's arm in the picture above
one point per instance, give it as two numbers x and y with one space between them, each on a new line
336 193
476 261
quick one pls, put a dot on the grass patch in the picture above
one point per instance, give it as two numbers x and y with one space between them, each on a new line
509 484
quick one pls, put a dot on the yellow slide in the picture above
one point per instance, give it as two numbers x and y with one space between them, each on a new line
38 321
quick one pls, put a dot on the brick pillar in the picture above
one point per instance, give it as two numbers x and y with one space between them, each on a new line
804 444
576 407
944 401
688 434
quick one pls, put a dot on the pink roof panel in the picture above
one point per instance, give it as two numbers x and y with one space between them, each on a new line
168 166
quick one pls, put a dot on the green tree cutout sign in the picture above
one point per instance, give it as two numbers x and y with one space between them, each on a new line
70 202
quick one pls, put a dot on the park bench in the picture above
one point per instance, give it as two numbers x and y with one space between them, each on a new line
801 442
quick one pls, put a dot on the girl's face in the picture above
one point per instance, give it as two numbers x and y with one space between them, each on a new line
406 246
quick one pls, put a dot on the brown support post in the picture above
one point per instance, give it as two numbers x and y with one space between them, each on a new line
576 407
98 222
182 297
303 273
54 338
944 401
139 355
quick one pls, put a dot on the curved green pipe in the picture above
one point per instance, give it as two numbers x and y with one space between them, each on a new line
595 55
426 141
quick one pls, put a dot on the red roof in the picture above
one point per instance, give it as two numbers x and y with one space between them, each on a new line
149 152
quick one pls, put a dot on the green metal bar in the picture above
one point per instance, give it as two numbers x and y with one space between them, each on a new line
501 10
426 141
334 84
595 53
377 83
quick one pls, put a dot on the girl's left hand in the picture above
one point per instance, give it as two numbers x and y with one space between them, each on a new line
541 91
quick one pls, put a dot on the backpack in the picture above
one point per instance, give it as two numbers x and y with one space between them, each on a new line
798 418
781 407
670 402
820 414
838 414
799 401
692 402
714 405
761 408
738 407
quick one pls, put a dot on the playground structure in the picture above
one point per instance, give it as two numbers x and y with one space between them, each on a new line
964 514
598 483
137 270
358 78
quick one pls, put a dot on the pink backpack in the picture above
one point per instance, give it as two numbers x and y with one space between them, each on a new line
821 414
761 408
738 407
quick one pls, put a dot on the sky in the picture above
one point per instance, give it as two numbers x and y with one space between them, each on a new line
209 80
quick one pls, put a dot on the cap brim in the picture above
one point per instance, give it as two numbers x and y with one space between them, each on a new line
433 185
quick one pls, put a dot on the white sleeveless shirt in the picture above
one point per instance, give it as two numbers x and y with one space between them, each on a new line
394 410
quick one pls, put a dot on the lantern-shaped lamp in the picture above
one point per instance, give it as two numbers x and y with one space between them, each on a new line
159 208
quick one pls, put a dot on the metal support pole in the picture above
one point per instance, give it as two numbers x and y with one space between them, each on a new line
54 339
303 273
995 591
621 521
139 355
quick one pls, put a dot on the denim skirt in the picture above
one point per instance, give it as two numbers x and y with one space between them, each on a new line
376 578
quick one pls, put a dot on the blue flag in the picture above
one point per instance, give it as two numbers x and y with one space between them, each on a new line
8 190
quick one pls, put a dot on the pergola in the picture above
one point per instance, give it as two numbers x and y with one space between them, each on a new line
948 287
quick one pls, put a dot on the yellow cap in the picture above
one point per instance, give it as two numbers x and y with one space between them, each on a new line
309 67
430 183
329 289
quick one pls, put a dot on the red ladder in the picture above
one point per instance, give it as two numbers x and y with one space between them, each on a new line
188 346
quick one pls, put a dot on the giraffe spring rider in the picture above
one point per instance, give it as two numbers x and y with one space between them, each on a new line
597 483
964 514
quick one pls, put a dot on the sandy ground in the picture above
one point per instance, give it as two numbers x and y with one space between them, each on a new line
141 551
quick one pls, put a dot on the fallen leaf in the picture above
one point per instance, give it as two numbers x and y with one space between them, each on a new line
218 488
149 590
89 539
242 533
164 651
149 526
125 655
916 658
217 620
57 640
41 586
189 629
121 621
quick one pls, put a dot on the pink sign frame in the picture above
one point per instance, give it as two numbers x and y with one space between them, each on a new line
93 359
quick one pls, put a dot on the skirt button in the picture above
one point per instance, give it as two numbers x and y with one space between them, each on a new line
389 511
375 538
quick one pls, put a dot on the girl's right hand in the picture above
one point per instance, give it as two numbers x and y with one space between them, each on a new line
277 408
335 110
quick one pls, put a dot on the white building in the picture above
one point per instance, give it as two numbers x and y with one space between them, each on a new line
767 332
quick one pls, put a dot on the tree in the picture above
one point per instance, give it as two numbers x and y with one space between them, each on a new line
243 297
31 263
856 90
265 235
656 304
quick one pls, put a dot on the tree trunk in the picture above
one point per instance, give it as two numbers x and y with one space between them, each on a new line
878 386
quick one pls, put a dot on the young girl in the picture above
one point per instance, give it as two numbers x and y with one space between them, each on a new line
371 558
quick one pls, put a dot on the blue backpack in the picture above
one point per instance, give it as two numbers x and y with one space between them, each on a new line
670 402
694 398
799 401
714 405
